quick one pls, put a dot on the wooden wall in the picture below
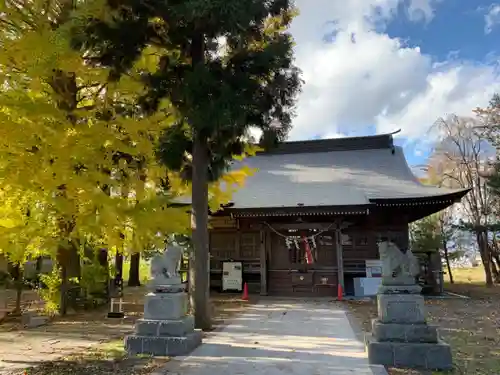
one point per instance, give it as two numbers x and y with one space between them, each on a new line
288 275
271 268
229 242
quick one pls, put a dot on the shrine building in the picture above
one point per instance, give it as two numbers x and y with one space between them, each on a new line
310 216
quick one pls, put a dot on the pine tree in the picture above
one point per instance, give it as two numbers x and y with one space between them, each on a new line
225 66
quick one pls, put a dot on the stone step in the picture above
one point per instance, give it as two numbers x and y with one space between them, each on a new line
164 328
163 346
418 333
424 356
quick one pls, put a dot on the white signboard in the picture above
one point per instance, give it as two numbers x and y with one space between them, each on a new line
232 276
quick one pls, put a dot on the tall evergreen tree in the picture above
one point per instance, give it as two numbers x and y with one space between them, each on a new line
223 66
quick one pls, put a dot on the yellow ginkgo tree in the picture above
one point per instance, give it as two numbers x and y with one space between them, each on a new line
78 160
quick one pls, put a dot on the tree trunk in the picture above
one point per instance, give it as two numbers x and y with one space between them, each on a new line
199 273
102 259
447 260
495 255
133 275
496 258
62 261
485 258
494 268
16 273
119 266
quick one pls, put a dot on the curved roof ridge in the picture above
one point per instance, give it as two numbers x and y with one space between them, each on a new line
367 142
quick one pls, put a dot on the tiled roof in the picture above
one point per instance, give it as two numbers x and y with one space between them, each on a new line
308 174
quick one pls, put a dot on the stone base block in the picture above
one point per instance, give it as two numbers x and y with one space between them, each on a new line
165 328
401 308
418 333
32 320
165 306
163 346
420 356
37 321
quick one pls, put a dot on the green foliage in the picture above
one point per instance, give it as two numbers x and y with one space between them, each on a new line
425 235
93 279
77 163
224 67
216 69
51 292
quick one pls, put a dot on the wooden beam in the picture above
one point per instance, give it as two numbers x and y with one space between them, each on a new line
320 226
263 262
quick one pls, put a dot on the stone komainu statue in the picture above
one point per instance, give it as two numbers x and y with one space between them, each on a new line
166 265
395 263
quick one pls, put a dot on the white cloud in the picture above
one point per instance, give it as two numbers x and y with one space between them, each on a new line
365 78
492 18
334 135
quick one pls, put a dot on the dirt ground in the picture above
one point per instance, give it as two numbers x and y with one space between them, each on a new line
87 343
470 326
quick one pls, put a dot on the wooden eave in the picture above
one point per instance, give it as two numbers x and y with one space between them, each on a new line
298 211
430 204
449 199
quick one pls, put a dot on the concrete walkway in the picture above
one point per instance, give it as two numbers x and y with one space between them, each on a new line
278 338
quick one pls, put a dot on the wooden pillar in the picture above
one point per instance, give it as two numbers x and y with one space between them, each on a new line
263 263
340 258
237 249
339 226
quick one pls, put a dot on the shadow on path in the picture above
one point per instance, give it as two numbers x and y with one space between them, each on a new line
280 337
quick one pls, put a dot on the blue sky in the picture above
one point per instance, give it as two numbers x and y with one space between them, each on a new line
393 64
457 27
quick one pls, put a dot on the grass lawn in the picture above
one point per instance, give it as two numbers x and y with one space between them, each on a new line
470 326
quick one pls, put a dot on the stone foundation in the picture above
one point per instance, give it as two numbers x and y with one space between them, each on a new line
426 356
179 327
397 332
166 329
401 336
163 346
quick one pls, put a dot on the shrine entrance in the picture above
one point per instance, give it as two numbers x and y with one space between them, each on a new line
302 262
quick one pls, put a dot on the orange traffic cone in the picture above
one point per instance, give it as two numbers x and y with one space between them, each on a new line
340 293
244 297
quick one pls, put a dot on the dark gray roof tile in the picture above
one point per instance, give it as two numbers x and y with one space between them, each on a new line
334 178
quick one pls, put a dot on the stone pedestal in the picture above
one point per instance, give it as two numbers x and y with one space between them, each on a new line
166 329
400 335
